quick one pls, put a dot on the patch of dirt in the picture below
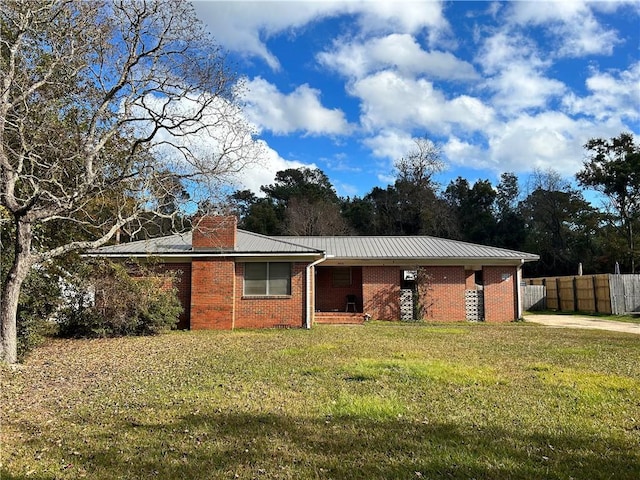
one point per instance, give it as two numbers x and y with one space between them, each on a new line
576 321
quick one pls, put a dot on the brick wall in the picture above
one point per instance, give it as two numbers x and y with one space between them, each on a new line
265 312
212 293
381 292
470 283
330 298
500 294
214 232
442 294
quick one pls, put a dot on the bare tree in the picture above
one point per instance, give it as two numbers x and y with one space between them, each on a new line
313 218
420 211
420 164
103 106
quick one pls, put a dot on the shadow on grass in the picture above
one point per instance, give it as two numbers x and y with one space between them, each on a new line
228 445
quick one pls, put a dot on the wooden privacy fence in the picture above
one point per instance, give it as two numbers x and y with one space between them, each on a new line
534 297
605 293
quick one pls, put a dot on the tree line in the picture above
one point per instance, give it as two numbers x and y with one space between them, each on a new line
543 213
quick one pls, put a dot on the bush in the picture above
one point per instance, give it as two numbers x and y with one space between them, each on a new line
39 299
108 301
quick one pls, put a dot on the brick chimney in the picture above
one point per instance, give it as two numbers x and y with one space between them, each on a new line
214 232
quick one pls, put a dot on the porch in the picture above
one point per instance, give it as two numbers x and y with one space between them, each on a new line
339 289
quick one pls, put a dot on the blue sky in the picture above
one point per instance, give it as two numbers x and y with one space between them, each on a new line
347 86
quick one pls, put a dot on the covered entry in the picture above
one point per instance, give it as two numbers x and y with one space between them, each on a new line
337 286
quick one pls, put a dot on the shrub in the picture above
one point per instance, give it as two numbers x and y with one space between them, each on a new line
108 301
39 299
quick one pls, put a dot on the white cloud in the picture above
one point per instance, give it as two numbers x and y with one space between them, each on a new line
549 140
519 87
515 75
504 48
301 110
264 172
390 144
403 17
398 51
613 94
577 31
243 26
389 100
460 152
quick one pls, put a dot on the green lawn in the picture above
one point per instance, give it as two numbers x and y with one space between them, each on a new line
377 401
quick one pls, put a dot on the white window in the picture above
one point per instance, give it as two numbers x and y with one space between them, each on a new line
268 278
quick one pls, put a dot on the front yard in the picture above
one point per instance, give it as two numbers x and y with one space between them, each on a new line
376 401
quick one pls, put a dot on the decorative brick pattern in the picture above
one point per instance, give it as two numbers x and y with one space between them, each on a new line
500 294
474 305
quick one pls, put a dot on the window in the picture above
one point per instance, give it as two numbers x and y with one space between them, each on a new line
267 278
341 276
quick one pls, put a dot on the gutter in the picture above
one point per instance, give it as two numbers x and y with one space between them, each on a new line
309 269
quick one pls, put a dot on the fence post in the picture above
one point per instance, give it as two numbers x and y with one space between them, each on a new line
595 293
574 284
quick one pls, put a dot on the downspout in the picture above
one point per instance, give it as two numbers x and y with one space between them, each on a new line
519 311
309 269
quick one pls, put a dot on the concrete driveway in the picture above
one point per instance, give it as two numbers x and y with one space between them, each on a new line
575 321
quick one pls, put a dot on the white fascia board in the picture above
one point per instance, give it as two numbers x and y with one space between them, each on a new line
382 262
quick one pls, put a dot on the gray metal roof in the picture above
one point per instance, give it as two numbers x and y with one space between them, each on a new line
347 248
180 244
406 247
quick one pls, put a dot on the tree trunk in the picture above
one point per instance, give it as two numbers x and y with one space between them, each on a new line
22 262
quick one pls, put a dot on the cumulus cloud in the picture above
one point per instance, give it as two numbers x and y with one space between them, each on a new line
300 110
264 172
398 51
612 94
390 100
390 144
515 74
573 23
244 26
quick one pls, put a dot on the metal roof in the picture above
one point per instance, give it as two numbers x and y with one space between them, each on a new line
180 244
347 248
406 247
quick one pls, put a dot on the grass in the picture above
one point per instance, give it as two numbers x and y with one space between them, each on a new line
380 401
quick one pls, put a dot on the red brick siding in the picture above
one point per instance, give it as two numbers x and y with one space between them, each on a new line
470 279
500 294
442 294
212 290
330 298
265 312
215 232
381 292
